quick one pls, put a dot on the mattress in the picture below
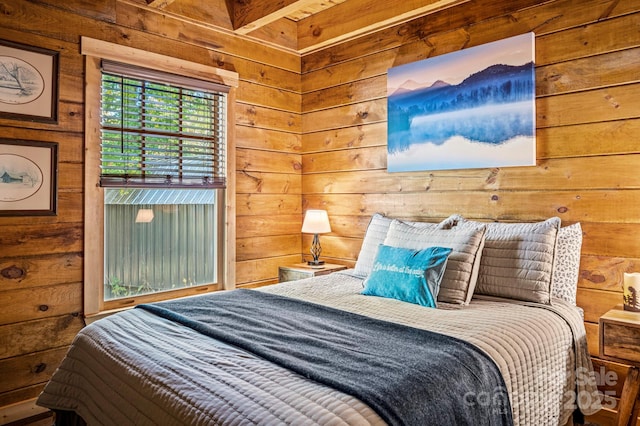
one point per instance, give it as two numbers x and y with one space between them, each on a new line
137 368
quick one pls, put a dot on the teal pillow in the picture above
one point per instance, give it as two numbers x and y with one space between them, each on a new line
409 275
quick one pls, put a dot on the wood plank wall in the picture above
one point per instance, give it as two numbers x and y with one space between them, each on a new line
312 133
41 258
588 128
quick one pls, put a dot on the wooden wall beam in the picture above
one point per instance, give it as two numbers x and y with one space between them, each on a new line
248 15
160 4
350 19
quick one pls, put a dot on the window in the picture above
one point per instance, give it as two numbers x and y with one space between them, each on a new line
157 157
157 240
159 138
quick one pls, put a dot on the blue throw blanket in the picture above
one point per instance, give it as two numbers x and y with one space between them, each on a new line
408 376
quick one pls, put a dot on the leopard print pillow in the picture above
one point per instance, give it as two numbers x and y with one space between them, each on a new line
566 265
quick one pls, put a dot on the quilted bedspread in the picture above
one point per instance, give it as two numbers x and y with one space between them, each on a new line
392 368
137 368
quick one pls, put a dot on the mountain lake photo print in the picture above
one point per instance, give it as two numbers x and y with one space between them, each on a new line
468 109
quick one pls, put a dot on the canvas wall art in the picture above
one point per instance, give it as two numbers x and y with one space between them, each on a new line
473 108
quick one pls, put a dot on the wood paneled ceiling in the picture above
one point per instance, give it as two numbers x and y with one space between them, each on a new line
302 26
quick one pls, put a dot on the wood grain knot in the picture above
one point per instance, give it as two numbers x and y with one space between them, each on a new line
6 10
493 176
553 77
403 30
40 367
43 308
594 277
13 272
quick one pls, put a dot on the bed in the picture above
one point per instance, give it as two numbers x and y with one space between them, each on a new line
241 356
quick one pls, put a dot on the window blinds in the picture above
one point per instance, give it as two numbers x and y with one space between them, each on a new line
161 130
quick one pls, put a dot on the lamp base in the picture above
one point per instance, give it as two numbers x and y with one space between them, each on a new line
316 264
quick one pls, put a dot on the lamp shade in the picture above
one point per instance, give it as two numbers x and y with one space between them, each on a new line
316 222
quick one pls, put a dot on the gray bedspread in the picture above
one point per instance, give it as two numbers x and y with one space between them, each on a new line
137 368
395 369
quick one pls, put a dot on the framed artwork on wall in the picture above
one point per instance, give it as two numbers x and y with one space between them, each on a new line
28 82
28 178
473 108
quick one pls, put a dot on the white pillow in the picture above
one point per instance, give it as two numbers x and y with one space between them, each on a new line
566 264
375 235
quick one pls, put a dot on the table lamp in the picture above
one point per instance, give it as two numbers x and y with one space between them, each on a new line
316 222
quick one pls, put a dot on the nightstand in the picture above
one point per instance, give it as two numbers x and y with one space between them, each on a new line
620 342
299 271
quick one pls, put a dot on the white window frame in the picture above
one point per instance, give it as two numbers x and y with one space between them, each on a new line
95 51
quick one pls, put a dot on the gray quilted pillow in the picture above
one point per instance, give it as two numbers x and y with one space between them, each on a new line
461 272
376 234
517 260
566 265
